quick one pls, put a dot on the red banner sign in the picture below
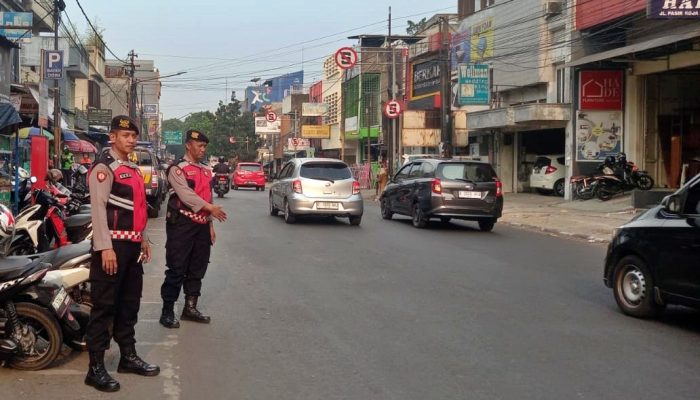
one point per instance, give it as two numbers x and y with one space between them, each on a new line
601 90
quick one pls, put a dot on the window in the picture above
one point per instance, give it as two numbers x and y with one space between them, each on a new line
561 85
325 171
143 158
476 172
250 167
415 171
403 172
428 170
286 171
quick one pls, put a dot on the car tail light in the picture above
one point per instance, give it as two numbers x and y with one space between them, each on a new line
499 188
154 180
355 187
550 170
437 186
296 186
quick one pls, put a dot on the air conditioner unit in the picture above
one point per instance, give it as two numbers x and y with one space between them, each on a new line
552 8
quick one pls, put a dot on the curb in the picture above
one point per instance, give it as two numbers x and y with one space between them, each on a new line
581 236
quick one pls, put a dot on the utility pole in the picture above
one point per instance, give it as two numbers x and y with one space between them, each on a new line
58 6
446 124
132 88
394 136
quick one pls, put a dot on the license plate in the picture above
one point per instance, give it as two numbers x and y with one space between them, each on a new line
60 302
326 205
466 194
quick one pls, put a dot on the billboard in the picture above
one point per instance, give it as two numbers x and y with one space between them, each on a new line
474 84
425 79
314 109
16 25
257 97
598 134
460 47
263 125
600 89
272 90
316 131
99 116
152 126
482 41
673 9
172 137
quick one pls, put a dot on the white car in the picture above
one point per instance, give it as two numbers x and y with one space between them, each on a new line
548 174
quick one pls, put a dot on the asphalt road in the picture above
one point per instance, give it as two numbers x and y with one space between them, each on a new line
324 310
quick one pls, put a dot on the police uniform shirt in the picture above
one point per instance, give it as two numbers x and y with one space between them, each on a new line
99 195
185 193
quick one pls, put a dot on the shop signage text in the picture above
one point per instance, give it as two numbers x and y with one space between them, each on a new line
600 90
673 9
426 78
474 84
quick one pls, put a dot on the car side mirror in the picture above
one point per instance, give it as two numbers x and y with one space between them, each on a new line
672 204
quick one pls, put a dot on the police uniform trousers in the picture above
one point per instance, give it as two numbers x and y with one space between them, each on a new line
187 250
116 298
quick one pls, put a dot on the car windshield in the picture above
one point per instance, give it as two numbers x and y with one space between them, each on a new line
326 171
143 158
470 171
250 167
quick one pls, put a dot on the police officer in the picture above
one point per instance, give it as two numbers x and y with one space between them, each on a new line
190 231
119 216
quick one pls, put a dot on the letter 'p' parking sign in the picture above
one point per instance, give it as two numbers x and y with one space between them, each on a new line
53 64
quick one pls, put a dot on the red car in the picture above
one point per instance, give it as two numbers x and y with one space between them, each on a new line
249 175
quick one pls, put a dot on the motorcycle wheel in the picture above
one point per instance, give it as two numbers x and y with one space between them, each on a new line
645 182
47 335
604 194
21 249
584 192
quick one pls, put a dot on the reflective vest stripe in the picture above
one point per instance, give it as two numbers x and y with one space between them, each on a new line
126 235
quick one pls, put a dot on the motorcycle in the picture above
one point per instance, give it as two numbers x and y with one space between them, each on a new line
222 183
625 176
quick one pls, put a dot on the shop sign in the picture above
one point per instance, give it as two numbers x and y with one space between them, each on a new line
426 79
482 40
100 116
474 84
316 131
263 125
598 134
314 109
600 90
673 9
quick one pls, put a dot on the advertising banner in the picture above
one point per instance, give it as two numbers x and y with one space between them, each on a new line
99 116
16 25
316 131
172 137
460 47
262 125
314 109
673 9
150 110
598 134
152 126
600 89
474 84
426 79
482 41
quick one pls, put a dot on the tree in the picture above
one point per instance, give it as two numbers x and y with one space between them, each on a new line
172 124
229 122
415 27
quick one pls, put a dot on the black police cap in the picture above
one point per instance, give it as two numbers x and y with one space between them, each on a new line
123 123
196 135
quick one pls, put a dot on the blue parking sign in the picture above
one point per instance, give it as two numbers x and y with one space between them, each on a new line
53 64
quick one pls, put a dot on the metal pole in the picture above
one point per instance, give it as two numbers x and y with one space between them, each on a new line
56 93
445 76
394 135
143 137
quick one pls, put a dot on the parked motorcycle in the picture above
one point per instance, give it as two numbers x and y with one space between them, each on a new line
222 184
625 177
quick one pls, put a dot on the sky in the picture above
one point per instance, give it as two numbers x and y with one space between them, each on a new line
226 43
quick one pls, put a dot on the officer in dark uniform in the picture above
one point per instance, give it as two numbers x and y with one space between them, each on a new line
190 231
119 217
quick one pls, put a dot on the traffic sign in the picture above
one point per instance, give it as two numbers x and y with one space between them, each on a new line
270 116
232 140
53 64
392 109
346 57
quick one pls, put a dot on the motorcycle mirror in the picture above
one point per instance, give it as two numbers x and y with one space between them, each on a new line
32 179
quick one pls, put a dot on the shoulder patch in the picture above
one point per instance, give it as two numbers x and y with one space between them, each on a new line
101 176
124 176
178 171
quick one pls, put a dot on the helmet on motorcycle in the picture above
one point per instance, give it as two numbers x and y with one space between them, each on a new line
622 158
7 222
54 175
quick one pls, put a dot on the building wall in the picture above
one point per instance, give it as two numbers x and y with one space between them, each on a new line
332 95
590 13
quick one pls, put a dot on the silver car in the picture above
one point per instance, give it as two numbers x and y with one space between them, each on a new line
316 186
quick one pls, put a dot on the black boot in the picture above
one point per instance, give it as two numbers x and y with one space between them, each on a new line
167 317
97 375
130 362
190 312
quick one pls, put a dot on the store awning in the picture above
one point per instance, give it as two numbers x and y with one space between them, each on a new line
669 37
8 115
81 146
523 117
69 135
33 131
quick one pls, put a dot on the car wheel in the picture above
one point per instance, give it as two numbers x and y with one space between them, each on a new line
419 220
355 220
486 225
633 287
385 209
273 209
289 217
445 220
559 188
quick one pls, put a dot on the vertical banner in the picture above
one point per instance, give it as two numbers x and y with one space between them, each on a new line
598 134
474 84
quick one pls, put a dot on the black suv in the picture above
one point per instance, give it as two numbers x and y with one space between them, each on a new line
654 259
444 189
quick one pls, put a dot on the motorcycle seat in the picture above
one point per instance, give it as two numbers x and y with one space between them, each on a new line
62 255
78 220
85 209
15 267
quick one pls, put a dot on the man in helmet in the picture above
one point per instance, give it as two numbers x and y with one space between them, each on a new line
67 165
222 167
119 217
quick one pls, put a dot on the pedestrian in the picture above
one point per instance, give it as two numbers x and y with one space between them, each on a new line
189 230
119 217
67 166
382 178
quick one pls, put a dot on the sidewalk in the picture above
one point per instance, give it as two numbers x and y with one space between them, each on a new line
591 220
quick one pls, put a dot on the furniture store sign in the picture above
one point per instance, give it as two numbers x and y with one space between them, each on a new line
673 9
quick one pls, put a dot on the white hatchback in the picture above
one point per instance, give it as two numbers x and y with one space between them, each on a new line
548 174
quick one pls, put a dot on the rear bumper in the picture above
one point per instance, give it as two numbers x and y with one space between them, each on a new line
440 209
300 204
541 183
245 182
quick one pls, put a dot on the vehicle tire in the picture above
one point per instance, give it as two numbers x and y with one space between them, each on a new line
633 287
559 188
604 193
220 195
22 248
585 193
486 225
273 209
355 220
262 188
153 212
445 220
289 217
419 219
385 209
48 337
645 182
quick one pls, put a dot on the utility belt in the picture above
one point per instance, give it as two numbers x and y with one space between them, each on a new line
132 236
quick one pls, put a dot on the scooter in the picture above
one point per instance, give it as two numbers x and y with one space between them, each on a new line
222 184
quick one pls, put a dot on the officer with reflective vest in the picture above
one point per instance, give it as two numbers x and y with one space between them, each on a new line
190 231
119 217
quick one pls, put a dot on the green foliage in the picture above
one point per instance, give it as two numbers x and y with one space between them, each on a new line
230 121
415 27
